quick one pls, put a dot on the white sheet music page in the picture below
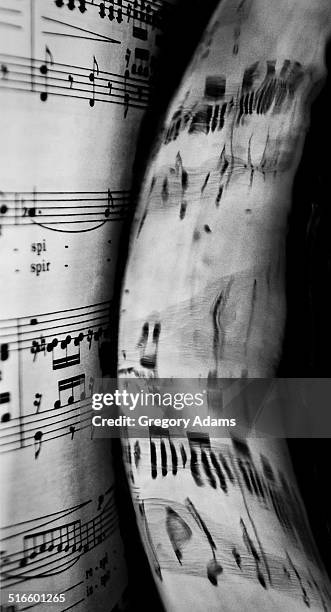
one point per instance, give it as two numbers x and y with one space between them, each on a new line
75 79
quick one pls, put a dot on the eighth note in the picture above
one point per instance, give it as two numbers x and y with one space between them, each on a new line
37 401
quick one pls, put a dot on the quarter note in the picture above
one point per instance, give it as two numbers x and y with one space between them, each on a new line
37 443
44 71
95 70
71 80
4 71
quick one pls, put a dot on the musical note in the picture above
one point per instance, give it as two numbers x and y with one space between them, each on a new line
38 443
305 596
70 384
4 71
142 58
178 531
44 71
53 79
4 352
38 346
214 568
252 550
68 360
5 397
92 79
45 74
110 204
37 401
137 30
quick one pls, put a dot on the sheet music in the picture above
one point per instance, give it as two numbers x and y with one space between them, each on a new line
204 297
75 81
223 524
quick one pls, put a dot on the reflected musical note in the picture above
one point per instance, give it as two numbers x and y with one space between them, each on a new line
44 71
214 568
252 550
304 593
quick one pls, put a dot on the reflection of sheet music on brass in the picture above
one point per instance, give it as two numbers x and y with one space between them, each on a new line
75 80
219 511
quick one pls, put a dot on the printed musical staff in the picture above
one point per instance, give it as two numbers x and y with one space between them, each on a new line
52 78
76 211
42 334
57 337
50 545
70 55
51 423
